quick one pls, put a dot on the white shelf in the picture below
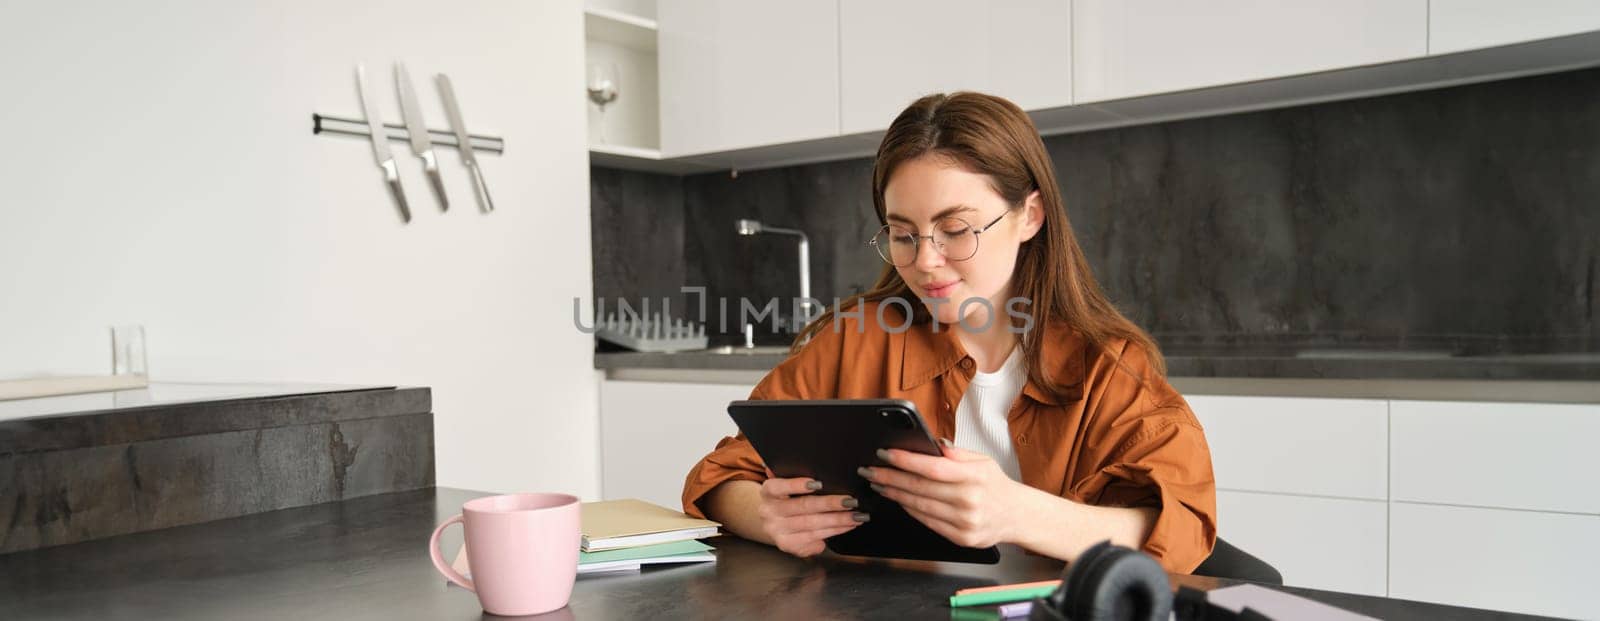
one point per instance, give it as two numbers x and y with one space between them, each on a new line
644 160
629 31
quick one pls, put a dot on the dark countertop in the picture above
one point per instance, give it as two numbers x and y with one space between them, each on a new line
167 410
1309 364
366 559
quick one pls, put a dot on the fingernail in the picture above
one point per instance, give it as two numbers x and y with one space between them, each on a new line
865 472
883 454
860 517
944 442
875 487
850 503
813 485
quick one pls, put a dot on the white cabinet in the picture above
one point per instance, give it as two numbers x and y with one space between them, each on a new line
1320 543
651 433
1126 48
1459 25
894 51
1303 484
1308 446
745 73
1532 456
1520 561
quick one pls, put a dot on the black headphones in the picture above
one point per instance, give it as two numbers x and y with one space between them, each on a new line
1114 583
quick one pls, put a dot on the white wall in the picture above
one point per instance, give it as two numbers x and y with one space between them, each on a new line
157 167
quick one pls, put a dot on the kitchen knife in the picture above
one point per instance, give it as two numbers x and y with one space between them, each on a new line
380 144
464 142
421 143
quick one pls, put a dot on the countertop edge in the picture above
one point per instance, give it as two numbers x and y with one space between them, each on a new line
631 367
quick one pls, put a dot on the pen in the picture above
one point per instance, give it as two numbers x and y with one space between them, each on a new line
1000 595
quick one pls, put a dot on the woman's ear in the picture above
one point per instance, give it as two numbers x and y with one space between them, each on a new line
1032 215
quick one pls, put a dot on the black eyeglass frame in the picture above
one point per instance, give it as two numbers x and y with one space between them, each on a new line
977 240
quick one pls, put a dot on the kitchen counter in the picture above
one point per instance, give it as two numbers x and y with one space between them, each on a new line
366 558
80 467
1567 378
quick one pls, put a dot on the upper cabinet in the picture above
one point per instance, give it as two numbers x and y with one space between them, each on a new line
1459 25
746 73
894 51
1128 48
761 83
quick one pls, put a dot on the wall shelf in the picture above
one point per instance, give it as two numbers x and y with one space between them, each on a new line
629 31
626 134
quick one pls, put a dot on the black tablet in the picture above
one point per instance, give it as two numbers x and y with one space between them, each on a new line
827 440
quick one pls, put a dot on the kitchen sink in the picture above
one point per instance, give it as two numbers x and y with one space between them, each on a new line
759 350
1373 354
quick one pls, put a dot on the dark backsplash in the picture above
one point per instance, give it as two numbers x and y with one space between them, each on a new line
1465 218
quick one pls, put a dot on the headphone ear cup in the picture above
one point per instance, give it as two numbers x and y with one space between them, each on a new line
1120 583
1071 584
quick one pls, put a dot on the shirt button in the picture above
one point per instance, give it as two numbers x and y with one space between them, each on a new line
967 364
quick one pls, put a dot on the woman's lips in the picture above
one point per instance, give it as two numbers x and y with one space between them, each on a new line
940 289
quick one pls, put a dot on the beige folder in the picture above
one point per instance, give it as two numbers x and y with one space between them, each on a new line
629 522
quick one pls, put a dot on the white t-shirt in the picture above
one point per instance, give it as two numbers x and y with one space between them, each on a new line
981 418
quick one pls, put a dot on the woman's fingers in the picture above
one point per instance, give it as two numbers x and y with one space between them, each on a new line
936 468
810 543
819 521
781 488
920 504
802 505
911 482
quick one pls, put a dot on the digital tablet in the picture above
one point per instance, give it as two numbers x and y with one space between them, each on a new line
827 440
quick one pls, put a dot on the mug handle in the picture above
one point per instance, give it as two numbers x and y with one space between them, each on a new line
438 558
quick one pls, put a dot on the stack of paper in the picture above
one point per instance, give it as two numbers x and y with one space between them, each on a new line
628 523
630 559
623 535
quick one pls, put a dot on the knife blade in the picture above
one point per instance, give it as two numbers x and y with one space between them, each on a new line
421 143
464 142
380 144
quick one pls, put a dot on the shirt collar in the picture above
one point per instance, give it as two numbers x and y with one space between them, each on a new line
927 354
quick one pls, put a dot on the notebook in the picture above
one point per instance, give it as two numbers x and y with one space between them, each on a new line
612 524
625 559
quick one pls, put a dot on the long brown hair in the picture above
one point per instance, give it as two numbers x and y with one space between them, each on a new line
990 135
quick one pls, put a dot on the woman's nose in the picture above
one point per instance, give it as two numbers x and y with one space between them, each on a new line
928 258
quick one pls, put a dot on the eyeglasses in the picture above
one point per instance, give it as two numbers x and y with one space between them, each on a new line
952 237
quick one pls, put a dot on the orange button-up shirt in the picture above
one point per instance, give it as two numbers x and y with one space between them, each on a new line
1122 437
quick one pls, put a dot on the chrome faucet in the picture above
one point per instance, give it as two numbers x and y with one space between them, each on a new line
752 227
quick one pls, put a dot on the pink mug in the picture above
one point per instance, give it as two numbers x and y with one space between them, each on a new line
523 550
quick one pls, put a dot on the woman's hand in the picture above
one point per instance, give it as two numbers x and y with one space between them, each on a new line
963 495
797 521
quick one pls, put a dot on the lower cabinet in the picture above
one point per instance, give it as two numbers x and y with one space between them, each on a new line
1320 543
1500 559
651 433
1470 504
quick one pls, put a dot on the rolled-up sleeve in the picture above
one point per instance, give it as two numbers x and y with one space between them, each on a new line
1167 466
811 373
733 460
1143 447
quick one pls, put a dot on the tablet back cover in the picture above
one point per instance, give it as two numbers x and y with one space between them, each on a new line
827 440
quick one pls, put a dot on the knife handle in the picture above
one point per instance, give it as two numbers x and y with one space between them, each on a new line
430 165
391 175
481 188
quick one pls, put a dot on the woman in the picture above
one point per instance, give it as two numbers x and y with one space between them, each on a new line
1065 431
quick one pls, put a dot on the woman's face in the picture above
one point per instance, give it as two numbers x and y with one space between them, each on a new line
920 197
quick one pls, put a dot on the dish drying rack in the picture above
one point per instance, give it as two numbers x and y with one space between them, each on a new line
651 333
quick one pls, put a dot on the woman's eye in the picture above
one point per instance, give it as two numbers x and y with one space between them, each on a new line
954 232
904 240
